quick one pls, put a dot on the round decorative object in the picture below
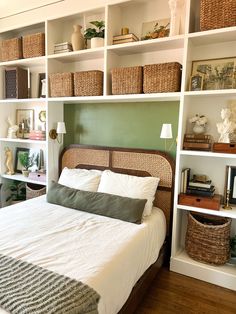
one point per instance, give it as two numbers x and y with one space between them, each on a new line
198 129
97 42
42 116
77 38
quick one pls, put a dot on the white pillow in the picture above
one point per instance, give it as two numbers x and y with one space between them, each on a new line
81 179
130 186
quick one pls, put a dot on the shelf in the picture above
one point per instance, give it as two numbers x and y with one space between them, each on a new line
166 43
19 140
210 93
29 62
213 36
119 98
206 154
81 55
20 177
222 212
220 275
26 100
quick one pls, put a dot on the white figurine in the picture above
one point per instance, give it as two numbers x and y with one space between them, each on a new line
175 16
9 161
13 128
226 127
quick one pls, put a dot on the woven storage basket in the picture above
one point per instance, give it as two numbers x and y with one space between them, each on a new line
61 84
127 80
34 190
217 14
33 45
88 83
162 78
11 49
208 238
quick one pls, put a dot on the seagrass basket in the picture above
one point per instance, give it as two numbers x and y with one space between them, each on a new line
34 190
162 78
88 83
217 14
61 84
33 45
127 80
208 238
11 49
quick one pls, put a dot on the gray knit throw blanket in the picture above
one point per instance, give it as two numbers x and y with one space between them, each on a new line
29 289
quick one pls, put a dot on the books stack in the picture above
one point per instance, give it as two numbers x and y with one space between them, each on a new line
197 142
121 39
37 135
63 47
185 177
201 188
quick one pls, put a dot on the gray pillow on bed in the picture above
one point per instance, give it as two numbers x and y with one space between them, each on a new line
114 206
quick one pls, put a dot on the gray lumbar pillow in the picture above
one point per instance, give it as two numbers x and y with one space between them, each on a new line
114 206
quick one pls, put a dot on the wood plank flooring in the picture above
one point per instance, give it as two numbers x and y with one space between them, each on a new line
172 293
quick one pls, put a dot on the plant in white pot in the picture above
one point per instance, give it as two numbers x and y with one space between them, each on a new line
95 34
26 161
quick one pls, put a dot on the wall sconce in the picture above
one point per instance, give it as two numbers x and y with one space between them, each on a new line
58 133
166 133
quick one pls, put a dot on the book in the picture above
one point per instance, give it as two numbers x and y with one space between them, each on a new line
116 42
197 136
212 187
62 50
207 184
200 193
185 176
127 36
63 45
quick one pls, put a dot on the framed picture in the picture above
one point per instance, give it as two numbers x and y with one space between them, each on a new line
36 157
42 85
19 151
25 121
196 82
155 29
230 184
217 73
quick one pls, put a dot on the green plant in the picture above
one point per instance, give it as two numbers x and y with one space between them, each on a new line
26 160
95 32
233 246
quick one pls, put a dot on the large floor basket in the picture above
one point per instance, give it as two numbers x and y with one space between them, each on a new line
208 238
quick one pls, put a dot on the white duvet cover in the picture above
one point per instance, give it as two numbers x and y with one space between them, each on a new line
107 254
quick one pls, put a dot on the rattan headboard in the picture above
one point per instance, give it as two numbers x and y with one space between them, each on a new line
138 162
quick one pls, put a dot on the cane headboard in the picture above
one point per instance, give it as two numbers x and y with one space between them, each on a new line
138 162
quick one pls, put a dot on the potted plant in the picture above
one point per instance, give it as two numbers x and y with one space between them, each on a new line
95 34
26 161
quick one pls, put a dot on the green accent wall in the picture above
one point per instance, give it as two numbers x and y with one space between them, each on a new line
136 125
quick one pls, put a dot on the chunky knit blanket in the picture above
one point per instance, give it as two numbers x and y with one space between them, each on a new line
29 289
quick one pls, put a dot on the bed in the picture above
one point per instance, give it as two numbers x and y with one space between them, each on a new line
115 258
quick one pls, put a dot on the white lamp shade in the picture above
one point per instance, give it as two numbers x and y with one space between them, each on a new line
166 131
61 128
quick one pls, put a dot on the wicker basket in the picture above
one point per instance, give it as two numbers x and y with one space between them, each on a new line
34 190
61 84
11 49
162 78
208 238
33 45
88 83
127 80
217 14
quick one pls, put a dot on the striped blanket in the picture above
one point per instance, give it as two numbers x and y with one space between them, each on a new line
26 288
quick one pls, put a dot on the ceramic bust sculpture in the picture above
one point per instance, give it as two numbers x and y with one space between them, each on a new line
9 161
13 128
226 127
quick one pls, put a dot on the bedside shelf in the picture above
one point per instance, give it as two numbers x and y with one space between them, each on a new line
20 177
222 212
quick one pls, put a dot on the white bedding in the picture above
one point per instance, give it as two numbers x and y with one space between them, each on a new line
107 254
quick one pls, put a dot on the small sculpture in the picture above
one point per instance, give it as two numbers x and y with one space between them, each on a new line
227 127
9 161
13 128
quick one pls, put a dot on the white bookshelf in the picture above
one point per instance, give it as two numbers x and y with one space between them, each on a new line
20 177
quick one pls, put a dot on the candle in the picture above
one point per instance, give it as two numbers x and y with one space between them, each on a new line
22 126
28 78
229 175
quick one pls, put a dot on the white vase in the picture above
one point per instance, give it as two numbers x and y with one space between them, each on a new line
97 42
198 129
77 38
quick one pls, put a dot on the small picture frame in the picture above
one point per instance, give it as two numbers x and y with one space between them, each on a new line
35 154
42 85
18 165
230 184
196 82
25 122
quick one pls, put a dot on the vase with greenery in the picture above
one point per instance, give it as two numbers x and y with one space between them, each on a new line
26 161
95 34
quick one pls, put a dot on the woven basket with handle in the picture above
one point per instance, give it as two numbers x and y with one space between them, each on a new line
88 83
208 238
61 84
11 49
33 45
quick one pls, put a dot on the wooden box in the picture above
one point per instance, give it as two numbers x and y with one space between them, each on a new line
16 83
11 49
33 45
200 201
37 176
224 148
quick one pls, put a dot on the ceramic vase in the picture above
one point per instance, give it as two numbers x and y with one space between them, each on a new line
77 38
97 42
198 129
25 173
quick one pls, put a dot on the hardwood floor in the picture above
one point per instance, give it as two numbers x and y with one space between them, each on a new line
172 293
